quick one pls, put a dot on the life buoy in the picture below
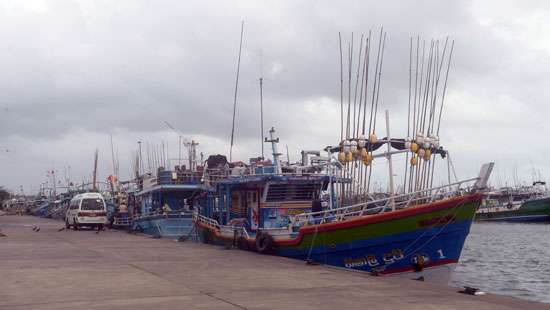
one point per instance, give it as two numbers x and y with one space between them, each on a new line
264 243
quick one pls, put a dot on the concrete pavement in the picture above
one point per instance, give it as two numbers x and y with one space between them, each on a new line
53 269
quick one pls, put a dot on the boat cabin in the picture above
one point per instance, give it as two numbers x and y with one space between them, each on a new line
265 201
170 192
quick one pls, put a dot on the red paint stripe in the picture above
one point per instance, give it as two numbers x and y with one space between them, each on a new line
373 219
368 219
440 262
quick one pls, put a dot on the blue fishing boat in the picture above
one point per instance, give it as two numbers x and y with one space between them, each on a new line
165 203
314 213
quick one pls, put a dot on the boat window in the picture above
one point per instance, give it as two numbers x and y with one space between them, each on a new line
292 192
92 204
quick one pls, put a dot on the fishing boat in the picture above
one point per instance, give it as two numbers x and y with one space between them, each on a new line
165 203
327 212
419 235
525 204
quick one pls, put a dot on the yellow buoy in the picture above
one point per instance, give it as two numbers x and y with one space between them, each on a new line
414 161
369 157
427 154
372 138
349 156
421 152
342 157
414 147
364 153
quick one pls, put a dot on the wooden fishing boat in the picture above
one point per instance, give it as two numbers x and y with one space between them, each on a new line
327 213
164 204
420 234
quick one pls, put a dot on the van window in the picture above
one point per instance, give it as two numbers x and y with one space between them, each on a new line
92 204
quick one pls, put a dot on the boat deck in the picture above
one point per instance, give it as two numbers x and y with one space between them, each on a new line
52 269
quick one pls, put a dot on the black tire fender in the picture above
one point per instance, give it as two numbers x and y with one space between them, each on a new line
264 243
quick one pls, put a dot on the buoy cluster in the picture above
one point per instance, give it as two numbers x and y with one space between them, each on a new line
421 147
354 150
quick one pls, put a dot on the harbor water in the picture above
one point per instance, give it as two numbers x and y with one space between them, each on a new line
507 259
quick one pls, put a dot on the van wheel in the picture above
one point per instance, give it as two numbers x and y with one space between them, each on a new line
67 226
75 225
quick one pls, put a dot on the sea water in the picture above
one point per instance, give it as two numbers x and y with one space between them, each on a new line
507 259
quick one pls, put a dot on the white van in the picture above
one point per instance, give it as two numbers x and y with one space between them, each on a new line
86 209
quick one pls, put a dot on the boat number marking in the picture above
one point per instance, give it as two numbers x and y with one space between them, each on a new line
371 260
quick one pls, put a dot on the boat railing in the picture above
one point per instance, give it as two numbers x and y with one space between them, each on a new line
213 178
205 220
381 205
172 214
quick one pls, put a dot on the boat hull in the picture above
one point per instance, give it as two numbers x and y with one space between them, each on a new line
165 226
423 242
531 211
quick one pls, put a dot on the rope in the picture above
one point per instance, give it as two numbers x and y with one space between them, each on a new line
454 210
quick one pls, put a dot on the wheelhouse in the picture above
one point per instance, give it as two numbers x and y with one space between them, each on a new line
266 201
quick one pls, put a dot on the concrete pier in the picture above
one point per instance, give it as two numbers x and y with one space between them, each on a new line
52 269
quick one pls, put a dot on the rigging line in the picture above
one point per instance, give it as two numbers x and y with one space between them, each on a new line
419 118
354 135
408 116
357 84
415 86
235 97
369 40
358 122
426 87
434 96
413 168
379 77
341 90
350 63
375 82
445 86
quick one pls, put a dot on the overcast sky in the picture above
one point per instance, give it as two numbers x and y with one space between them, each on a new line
75 72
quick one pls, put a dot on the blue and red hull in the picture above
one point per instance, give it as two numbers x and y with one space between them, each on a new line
415 239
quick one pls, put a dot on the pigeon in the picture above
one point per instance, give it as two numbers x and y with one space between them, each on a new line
2 234
37 228
34 228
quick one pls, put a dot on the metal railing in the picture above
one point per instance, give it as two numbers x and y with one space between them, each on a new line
171 214
381 205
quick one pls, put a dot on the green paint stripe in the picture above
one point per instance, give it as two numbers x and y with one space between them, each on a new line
386 228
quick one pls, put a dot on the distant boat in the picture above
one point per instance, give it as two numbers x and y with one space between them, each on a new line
530 204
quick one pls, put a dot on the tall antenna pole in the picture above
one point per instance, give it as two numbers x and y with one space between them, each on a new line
179 151
235 97
94 177
262 114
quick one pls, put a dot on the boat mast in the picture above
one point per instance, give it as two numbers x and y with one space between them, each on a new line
235 97
276 154
262 115
94 177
